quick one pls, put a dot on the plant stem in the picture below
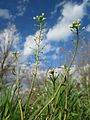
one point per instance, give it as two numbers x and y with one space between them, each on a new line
20 106
53 97
37 52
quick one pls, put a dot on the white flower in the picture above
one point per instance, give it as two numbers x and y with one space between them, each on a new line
34 18
42 14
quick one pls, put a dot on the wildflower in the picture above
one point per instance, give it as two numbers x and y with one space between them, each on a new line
34 18
42 14
40 18
34 89
75 25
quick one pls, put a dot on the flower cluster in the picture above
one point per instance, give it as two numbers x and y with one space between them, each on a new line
40 18
75 25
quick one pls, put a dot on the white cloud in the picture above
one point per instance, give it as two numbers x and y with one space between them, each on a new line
60 31
57 50
70 12
29 45
56 56
21 8
88 28
56 8
4 13
48 47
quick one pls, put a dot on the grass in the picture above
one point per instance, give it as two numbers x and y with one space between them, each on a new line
56 98
69 103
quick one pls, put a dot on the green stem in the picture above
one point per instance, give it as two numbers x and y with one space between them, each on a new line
65 109
20 106
36 67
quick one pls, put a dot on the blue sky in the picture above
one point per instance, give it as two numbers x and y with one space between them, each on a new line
59 13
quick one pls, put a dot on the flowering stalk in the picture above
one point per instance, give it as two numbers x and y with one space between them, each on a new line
38 40
74 27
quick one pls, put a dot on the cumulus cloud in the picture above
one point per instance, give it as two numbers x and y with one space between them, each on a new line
4 13
70 12
60 31
29 45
